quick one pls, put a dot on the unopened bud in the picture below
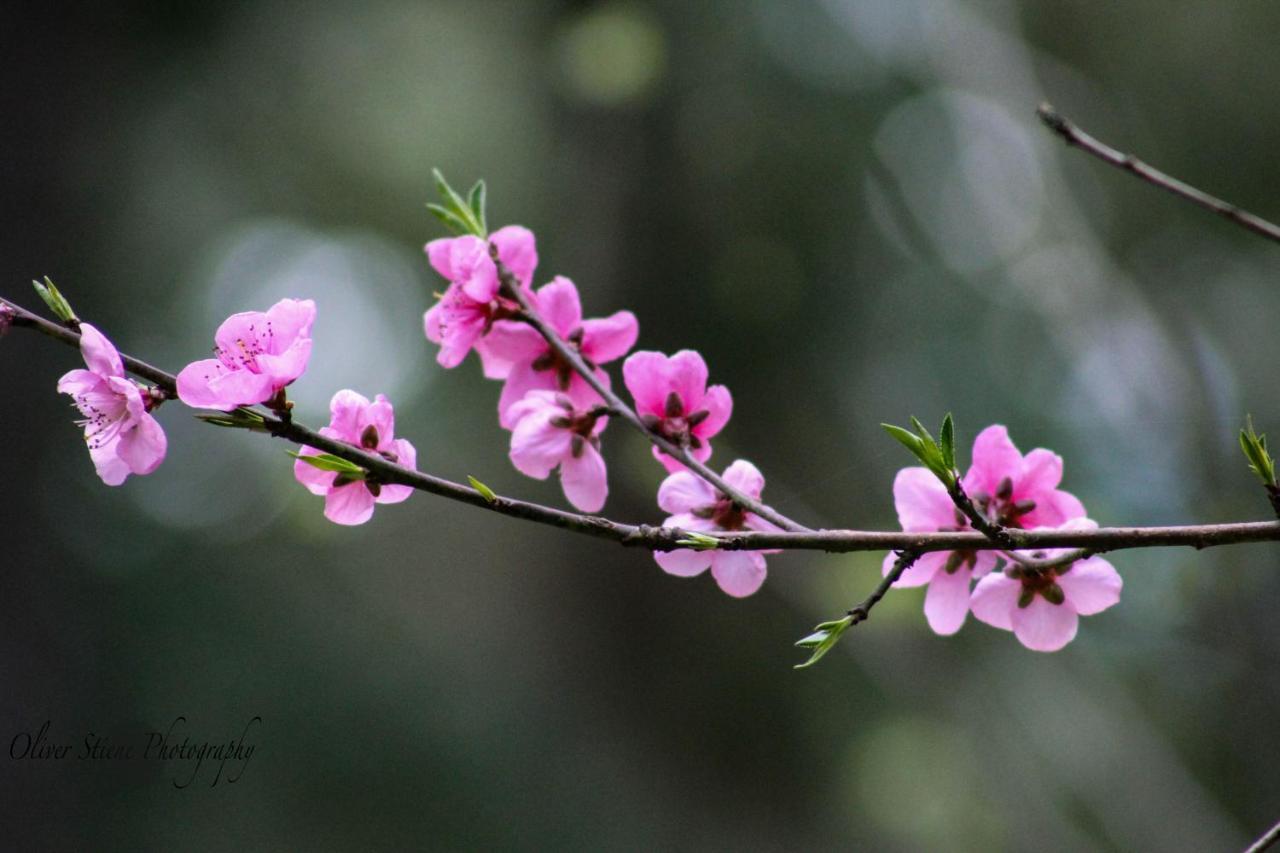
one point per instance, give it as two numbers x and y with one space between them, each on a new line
1004 491
1053 594
674 406
369 438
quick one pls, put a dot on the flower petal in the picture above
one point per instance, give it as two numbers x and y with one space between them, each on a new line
520 381
350 504
739 573
560 306
1092 585
609 338
718 403
347 415
644 375
508 343
684 563
107 462
921 571
1041 472
100 354
518 250
994 458
77 382
946 604
687 376
316 481
382 417
407 456
922 501
995 598
746 478
683 491
143 446
1045 627
537 447
287 321
584 479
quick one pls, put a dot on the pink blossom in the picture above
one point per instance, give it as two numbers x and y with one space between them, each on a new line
1009 489
354 420
673 399
1043 607
698 506
549 431
471 304
530 362
122 436
257 355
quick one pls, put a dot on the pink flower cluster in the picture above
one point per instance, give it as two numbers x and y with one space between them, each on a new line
556 417
1041 606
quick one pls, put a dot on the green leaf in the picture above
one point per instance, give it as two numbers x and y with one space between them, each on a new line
1254 447
55 300
924 448
450 220
237 419
948 442
476 201
485 492
823 640
907 439
698 541
329 462
458 206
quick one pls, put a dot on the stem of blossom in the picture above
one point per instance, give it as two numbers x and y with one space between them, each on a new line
1273 495
906 559
1073 135
998 534
1051 563
1271 836
512 289
1098 540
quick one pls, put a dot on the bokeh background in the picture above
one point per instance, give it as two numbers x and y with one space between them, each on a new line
848 207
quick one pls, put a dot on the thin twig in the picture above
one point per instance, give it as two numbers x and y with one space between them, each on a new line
906 559
668 538
995 532
512 288
1073 135
1271 837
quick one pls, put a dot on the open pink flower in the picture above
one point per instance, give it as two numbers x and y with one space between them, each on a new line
1009 489
549 431
1043 608
530 362
257 355
355 420
122 436
696 505
673 399
471 304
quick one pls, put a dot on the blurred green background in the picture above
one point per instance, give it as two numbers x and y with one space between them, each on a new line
848 207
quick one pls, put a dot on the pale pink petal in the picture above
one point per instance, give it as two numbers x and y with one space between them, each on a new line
609 338
994 458
946 604
407 456
984 562
143 446
440 255
76 382
1092 585
288 365
687 376
702 454
537 447
643 374
582 394
346 412
431 322
238 334
922 501
995 598
685 492
684 563
1044 627
509 343
689 521
381 416
922 570
460 329
1053 509
520 381
473 269
536 402
718 402
99 354
316 481
559 305
107 462
208 385
1041 472
287 320
739 573
518 251
746 478
584 480
349 504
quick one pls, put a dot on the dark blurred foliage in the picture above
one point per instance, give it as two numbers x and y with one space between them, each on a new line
848 207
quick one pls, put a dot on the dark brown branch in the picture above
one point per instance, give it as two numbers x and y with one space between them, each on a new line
667 538
1073 135
1271 837
906 559
570 355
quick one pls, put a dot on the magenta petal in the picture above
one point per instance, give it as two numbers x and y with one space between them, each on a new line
683 563
287 321
346 415
381 416
739 573
718 402
994 599
239 332
687 376
406 456
195 385
350 504
643 374
518 251
922 501
107 462
582 394
746 478
143 447
994 458
537 447
1092 585
922 570
520 381
685 492
1041 472
946 604
473 269
609 338
431 323
99 354
1054 509
584 479
508 343
1045 627
288 365
559 305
